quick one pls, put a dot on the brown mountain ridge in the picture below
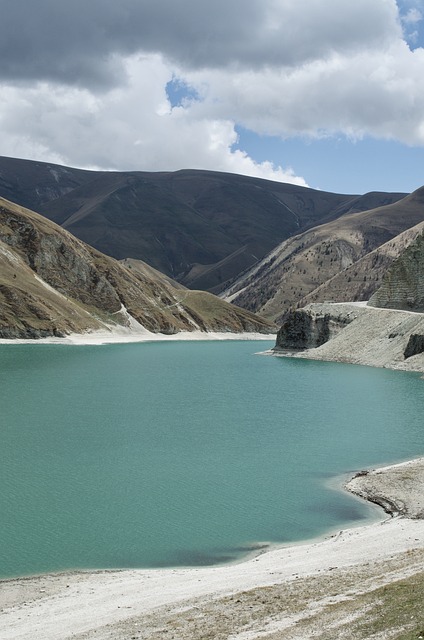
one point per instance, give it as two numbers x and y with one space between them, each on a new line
202 228
52 284
342 260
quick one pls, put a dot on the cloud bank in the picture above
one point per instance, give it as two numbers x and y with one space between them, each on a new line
85 83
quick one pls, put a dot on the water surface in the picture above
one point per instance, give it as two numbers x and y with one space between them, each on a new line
184 453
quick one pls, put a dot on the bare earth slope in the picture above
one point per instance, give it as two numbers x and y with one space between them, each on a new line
52 284
386 332
342 260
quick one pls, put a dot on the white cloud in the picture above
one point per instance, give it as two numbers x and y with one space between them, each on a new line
280 67
375 93
131 127
412 16
82 43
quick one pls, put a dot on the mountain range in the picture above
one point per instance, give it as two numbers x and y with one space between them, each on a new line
201 228
266 247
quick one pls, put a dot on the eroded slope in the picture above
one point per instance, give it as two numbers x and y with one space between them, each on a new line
52 283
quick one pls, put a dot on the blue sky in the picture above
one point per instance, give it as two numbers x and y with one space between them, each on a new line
337 163
325 93
368 164
341 165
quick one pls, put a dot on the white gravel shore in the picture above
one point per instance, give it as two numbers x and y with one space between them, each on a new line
288 592
123 335
325 589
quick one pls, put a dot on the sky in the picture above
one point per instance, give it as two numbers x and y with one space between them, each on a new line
322 93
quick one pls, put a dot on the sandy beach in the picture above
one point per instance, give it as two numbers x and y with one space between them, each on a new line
330 588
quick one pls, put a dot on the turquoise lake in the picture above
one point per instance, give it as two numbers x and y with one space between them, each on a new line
185 453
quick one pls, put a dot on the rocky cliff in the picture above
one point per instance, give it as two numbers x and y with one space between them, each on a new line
356 333
403 284
52 284
402 288
388 331
307 329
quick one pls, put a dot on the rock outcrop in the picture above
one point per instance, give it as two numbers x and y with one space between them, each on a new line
397 489
304 329
388 331
415 345
403 284
363 335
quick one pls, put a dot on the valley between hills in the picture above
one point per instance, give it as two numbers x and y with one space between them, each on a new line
204 251
340 277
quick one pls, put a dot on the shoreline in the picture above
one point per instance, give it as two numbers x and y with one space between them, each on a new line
127 336
120 604
370 336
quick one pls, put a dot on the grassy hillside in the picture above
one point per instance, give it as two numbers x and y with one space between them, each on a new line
202 228
52 284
